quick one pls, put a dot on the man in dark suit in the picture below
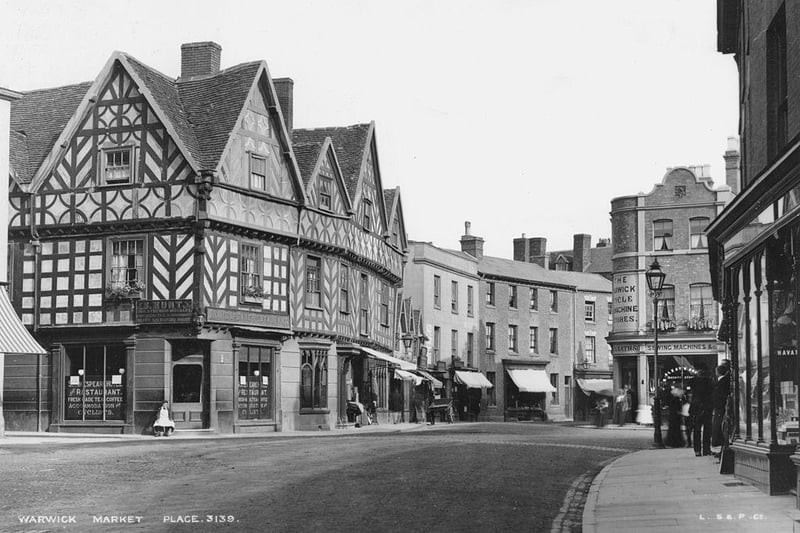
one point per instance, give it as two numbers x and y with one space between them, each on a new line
719 399
701 410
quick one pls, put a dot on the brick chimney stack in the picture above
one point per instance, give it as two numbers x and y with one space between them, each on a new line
581 252
199 59
284 87
537 252
521 249
732 157
471 244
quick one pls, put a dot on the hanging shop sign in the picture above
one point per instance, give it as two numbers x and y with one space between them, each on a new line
163 311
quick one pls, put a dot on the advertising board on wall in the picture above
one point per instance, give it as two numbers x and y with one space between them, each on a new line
626 302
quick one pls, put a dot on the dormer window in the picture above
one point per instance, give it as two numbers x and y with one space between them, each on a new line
325 186
258 172
117 166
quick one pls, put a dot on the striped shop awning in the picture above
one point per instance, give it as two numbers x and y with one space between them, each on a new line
14 336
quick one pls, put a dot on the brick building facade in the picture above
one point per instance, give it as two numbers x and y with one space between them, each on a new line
667 224
542 331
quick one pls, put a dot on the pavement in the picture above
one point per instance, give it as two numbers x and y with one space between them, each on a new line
672 490
16 438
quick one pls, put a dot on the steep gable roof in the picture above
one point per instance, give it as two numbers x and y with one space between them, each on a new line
40 116
199 114
165 92
388 199
213 106
307 155
18 156
350 144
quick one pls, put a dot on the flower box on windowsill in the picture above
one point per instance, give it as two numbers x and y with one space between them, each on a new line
124 291
253 295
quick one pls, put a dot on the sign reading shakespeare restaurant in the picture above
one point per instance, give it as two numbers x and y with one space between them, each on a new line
626 302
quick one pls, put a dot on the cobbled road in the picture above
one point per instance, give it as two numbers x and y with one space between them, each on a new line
459 477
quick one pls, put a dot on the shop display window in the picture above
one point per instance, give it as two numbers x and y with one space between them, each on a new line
95 382
314 379
255 382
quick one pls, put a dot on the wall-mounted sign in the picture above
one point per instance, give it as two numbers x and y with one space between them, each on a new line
163 311
626 302
665 348
247 318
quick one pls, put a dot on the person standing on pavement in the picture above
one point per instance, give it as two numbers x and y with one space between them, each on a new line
720 398
620 407
674 403
687 417
701 410
602 412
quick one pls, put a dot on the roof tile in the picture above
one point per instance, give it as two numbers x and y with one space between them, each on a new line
41 116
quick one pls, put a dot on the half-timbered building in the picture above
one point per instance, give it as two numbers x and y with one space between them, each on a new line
176 239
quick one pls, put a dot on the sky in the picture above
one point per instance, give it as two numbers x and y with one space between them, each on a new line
518 116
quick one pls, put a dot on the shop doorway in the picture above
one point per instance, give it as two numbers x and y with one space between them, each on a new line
188 386
629 378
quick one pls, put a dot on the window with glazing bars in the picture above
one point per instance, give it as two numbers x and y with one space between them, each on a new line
127 263
697 230
662 235
249 270
258 172
313 286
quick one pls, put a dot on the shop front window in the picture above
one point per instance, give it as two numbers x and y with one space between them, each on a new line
781 323
95 382
255 380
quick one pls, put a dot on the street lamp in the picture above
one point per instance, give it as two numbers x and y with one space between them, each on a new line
655 282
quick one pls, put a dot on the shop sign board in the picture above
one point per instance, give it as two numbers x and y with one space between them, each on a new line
626 302
163 311
665 348
247 318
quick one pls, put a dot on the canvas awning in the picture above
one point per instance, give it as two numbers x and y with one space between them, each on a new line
604 387
407 376
473 380
426 375
14 336
530 380
404 365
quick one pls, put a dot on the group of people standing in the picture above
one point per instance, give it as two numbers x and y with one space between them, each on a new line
698 411
621 408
